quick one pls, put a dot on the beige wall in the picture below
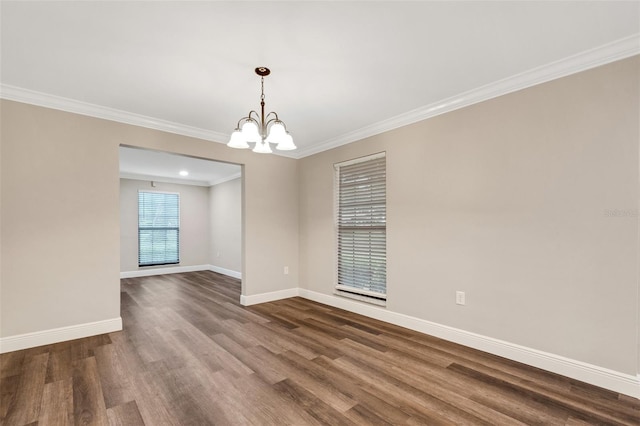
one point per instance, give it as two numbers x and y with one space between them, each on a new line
194 223
61 263
60 232
507 200
225 237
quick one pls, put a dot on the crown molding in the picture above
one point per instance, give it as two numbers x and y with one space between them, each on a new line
32 97
619 49
163 179
19 94
611 52
178 181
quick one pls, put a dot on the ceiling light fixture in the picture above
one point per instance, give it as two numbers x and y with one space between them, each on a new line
260 129
184 173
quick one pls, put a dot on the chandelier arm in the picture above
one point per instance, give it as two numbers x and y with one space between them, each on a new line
276 119
274 113
240 121
247 117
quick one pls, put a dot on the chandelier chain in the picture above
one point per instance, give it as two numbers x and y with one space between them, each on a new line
260 128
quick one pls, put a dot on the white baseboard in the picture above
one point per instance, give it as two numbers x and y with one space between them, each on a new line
162 271
268 297
56 335
609 379
599 376
224 271
179 269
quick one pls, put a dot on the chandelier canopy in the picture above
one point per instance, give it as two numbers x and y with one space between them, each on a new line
261 129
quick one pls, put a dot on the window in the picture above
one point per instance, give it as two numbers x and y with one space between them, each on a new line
361 227
158 228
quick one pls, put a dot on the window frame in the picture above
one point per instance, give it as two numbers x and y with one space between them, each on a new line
340 289
177 228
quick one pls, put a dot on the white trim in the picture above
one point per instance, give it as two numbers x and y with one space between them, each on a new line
19 94
32 97
369 157
224 271
268 297
601 55
609 379
611 52
149 271
360 297
359 291
139 176
56 335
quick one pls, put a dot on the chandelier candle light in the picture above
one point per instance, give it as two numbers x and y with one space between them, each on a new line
261 129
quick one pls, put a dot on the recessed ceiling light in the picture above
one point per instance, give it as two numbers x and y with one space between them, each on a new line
184 173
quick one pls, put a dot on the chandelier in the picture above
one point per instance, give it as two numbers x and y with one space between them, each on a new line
261 129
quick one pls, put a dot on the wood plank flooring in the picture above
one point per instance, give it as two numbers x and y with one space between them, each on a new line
190 354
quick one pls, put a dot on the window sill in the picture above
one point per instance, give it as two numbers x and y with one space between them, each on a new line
360 298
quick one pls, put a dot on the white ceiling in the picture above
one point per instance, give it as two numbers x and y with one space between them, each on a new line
158 166
340 70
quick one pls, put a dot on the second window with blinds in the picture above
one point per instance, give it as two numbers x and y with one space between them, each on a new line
158 228
361 225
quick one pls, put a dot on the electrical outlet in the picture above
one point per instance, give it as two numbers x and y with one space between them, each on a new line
217 254
286 270
460 298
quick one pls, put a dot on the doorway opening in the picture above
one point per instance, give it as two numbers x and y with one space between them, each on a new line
179 214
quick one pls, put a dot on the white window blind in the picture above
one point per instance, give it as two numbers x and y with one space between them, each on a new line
158 228
361 225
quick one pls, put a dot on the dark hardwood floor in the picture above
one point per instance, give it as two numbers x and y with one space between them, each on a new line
190 354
